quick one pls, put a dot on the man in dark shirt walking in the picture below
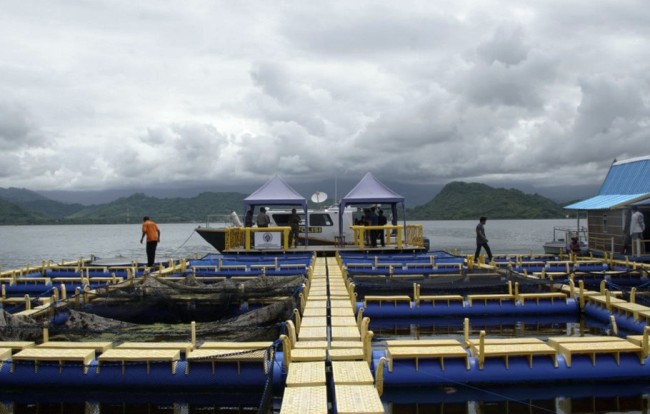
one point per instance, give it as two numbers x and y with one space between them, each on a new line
481 240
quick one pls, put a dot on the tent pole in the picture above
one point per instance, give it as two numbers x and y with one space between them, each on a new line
404 220
306 210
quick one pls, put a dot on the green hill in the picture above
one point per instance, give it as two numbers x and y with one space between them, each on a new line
22 206
11 213
37 205
457 200
20 195
51 209
170 210
464 201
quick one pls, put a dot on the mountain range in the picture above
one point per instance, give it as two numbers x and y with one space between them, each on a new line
461 201
456 201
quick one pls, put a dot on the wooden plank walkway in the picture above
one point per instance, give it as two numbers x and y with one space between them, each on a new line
328 335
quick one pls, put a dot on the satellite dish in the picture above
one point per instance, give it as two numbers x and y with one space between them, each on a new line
318 197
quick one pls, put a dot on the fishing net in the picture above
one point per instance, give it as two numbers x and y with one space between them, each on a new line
157 309
466 283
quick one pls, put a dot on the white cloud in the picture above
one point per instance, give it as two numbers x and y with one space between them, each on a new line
108 94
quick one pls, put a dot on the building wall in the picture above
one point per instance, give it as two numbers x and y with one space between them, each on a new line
607 229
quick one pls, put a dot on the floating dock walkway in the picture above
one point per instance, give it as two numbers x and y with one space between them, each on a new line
328 342
325 360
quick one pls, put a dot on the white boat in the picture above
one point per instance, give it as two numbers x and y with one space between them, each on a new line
562 237
322 226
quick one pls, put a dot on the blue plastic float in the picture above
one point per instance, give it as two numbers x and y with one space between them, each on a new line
519 370
175 375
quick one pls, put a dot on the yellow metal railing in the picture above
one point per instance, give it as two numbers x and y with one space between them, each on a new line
234 238
240 237
413 236
360 234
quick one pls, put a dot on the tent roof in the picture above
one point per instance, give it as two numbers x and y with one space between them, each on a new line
275 192
371 190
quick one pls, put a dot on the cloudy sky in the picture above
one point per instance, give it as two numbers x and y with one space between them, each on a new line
102 94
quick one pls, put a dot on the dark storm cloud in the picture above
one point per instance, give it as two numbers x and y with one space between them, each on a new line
112 93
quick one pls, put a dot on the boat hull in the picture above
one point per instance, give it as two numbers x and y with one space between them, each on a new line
554 248
215 237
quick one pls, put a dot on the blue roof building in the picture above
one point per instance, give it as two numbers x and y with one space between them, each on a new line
608 213
627 183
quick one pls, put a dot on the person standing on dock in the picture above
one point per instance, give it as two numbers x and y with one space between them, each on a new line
152 232
637 227
294 223
374 221
248 220
263 219
381 221
481 240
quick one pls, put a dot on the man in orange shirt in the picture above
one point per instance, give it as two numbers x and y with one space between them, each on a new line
151 230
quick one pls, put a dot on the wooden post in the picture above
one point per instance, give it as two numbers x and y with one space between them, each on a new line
645 341
367 347
516 291
296 315
379 376
359 318
302 302
481 350
365 323
292 333
612 321
416 294
286 350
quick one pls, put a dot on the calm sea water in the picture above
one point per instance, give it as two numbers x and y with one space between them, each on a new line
21 245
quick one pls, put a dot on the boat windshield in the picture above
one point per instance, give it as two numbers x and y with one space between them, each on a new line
315 219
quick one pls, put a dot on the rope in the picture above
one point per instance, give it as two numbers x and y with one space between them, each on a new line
182 244
267 395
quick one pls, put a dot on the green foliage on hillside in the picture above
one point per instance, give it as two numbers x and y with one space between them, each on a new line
164 210
456 201
19 195
10 213
464 201
50 208
31 208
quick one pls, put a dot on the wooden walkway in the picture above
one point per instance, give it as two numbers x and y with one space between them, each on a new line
328 341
